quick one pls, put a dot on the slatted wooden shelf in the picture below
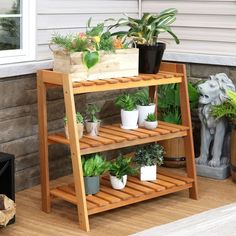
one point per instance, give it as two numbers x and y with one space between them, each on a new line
143 80
113 137
135 191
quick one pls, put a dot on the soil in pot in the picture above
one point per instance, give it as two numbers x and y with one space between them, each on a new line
150 57
92 128
118 183
91 184
129 119
143 113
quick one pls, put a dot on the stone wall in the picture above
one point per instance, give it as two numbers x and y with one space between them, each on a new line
18 121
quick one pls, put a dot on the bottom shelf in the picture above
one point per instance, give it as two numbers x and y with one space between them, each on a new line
135 191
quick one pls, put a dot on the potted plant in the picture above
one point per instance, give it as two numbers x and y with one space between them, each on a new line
80 54
228 110
119 169
169 111
148 157
129 113
93 166
151 121
144 105
145 34
92 124
80 125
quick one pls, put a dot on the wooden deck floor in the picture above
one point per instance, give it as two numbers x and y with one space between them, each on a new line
31 221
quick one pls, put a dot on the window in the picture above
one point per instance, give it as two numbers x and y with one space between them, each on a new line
17 30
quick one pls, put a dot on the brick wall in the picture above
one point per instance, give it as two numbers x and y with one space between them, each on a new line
18 121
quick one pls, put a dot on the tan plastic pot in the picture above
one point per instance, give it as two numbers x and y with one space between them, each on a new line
80 128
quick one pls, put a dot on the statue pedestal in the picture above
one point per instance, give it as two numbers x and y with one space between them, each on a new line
221 172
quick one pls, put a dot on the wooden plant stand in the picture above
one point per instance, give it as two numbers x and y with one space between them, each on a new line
113 137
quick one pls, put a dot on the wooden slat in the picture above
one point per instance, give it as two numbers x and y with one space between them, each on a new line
151 185
117 133
58 138
130 191
171 129
65 196
139 187
91 142
181 127
149 132
123 80
117 139
168 173
171 180
134 132
107 197
100 82
119 194
87 83
161 131
111 81
136 78
164 183
102 140
96 200
146 76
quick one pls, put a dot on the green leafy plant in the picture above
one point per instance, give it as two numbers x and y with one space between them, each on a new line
227 109
126 102
91 112
79 118
169 102
95 39
121 166
147 29
94 165
149 155
151 117
142 98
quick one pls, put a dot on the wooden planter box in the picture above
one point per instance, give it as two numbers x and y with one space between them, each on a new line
122 63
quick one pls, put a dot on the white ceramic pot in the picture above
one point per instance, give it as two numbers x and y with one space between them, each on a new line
148 173
118 183
80 128
129 119
143 113
150 124
92 128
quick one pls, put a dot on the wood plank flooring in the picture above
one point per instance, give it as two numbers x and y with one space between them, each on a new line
62 221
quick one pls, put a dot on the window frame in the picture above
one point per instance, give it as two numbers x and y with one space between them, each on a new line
28 31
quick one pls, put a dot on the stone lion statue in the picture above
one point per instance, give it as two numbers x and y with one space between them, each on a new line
212 92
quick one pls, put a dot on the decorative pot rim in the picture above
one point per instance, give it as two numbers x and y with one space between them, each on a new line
98 121
151 46
129 111
150 104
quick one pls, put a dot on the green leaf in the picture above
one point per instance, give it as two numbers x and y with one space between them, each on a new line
90 59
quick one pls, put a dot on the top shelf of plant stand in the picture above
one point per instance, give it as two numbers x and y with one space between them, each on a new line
142 80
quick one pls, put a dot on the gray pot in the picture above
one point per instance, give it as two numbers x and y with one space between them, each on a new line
92 184
92 128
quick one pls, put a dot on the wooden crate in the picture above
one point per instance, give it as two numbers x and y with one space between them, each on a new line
122 63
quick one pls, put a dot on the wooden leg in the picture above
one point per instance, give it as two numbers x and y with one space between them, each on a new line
43 144
75 154
188 140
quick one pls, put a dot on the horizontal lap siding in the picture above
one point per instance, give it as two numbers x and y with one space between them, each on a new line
70 16
204 27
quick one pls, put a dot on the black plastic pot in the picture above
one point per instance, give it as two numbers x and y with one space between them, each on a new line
150 57
92 184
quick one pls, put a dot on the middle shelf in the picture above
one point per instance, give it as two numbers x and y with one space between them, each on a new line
113 137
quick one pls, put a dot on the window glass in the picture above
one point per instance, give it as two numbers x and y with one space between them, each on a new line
10 6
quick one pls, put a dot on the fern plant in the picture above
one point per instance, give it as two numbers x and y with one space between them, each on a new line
126 102
227 109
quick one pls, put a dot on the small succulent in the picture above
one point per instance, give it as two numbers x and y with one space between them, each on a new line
126 102
151 117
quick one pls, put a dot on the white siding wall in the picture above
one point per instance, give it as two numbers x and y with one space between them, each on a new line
68 16
206 28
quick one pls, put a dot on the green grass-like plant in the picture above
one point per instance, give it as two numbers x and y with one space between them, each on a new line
126 102
149 155
227 109
91 112
142 98
151 117
122 166
94 165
